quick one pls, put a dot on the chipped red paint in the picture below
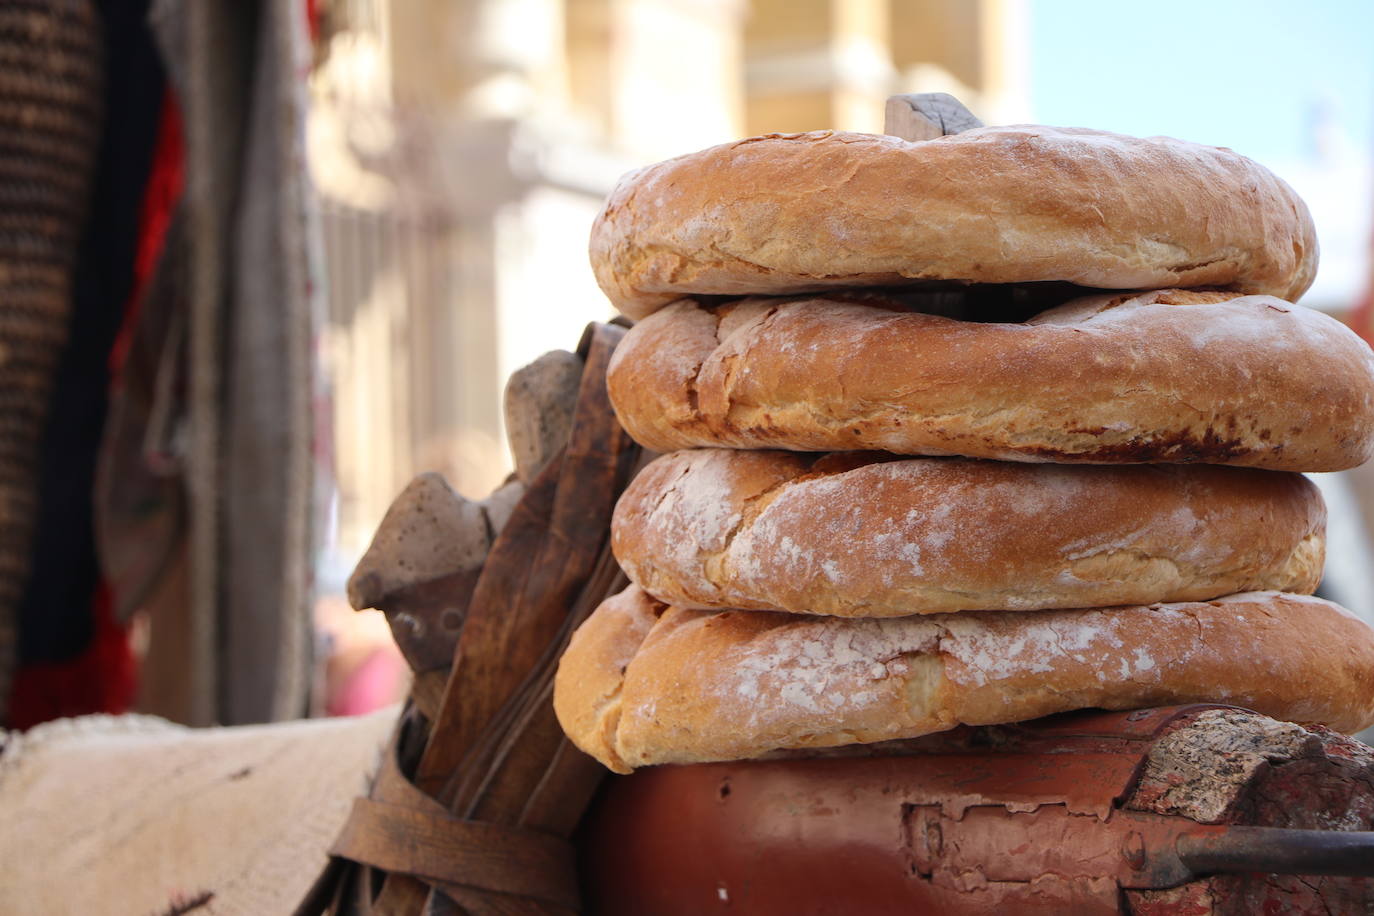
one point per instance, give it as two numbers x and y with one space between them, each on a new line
1012 819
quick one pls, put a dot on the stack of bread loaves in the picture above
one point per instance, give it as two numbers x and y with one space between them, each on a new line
811 308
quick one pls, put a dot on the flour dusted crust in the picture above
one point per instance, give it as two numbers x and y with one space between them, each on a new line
726 685
1167 376
851 534
805 212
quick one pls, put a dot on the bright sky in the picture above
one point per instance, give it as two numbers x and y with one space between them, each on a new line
1239 73
1249 74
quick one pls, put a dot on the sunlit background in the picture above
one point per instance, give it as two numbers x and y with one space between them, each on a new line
462 148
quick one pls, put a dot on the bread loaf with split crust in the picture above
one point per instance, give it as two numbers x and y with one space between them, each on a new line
856 535
1167 376
789 213
643 683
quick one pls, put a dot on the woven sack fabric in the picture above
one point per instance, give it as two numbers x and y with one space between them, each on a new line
50 107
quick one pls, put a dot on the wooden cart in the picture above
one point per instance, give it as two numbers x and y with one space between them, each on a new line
482 806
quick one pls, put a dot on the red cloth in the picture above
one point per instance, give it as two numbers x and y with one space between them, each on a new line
104 678
166 181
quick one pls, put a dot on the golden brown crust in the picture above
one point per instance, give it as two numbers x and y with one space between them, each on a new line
727 685
853 535
588 701
1168 376
806 212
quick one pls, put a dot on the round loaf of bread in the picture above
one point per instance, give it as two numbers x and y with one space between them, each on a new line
643 683
789 213
853 535
1170 376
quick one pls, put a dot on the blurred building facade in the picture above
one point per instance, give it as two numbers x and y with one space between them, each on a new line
463 147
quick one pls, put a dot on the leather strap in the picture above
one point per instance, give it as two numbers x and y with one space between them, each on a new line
440 848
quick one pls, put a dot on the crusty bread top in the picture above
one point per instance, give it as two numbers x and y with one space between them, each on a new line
1172 375
693 686
788 213
851 534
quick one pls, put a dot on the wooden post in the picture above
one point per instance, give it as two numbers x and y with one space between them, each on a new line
494 755
927 115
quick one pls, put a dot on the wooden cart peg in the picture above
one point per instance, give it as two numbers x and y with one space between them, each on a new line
421 569
539 406
927 115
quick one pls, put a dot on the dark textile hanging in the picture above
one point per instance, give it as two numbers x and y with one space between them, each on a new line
162 459
51 74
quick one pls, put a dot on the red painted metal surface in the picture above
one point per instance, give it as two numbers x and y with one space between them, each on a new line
1015 819
876 836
